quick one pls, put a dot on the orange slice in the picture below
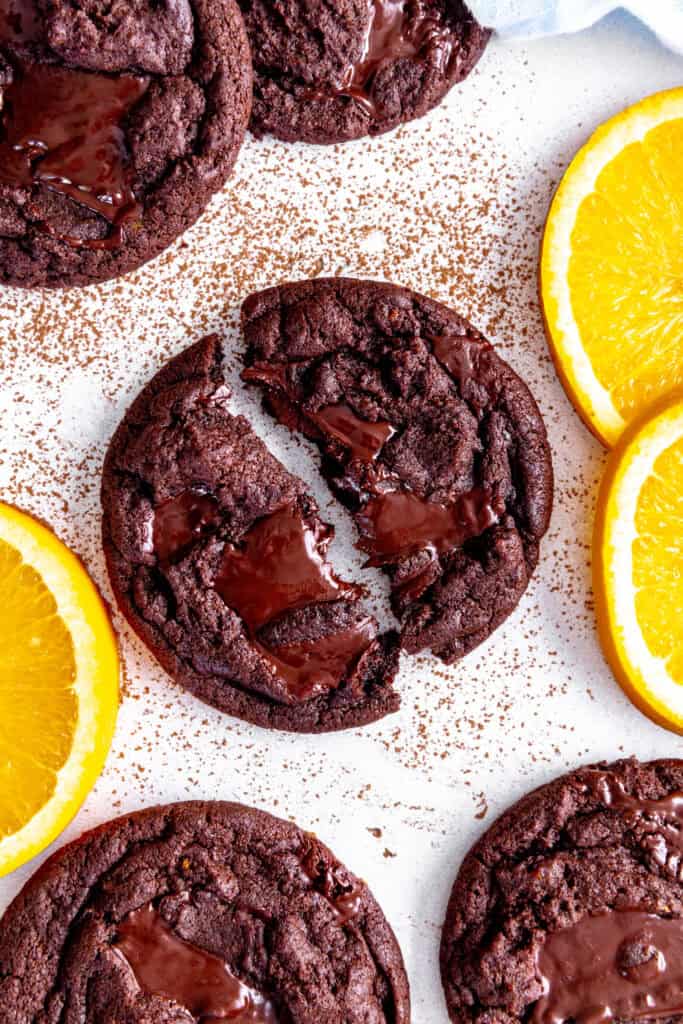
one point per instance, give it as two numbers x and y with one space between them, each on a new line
638 563
612 266
59 677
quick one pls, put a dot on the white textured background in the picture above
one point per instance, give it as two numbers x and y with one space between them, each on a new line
452 206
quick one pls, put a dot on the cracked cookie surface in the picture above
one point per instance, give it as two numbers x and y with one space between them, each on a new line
331 72
217 557
583 865
431 441
259 912
90 190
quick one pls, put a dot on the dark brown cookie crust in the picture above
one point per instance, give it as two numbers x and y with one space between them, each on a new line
183 136
228 879
369 345
558 855
300 50
179 434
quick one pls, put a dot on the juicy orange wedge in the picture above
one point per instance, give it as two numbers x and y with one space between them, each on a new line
59 676
612 266
638 563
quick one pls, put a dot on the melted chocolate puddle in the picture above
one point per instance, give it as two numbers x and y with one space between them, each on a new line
622 965
62 129
363 438
313 667
180 522
397 29
167 966
281 566
613 794
274 374
399 524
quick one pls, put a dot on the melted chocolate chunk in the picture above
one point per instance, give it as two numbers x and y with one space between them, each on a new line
364 439
460 355
345 900
399 524
276 373
621 965
180 522
166 965
660 822
667 810
279 566
312 667
63 129
19 22
348 906
397 29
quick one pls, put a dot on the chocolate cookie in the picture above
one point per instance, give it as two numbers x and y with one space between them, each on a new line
430 440
199 912
570 907
217 557
119 122
332 72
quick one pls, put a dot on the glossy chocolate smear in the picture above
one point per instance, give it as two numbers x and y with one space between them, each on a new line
363 438
398 524
313 667
459 355
612 793
398 29
62 129
165 965
279 566
346 901
621 965
659 822
274 374
19 21
181 521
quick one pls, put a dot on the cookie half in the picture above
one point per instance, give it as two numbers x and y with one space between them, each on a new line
217 557
119 121
570 907
431 441
333 72
199 912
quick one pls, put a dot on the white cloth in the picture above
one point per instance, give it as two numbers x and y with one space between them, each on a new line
531 18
